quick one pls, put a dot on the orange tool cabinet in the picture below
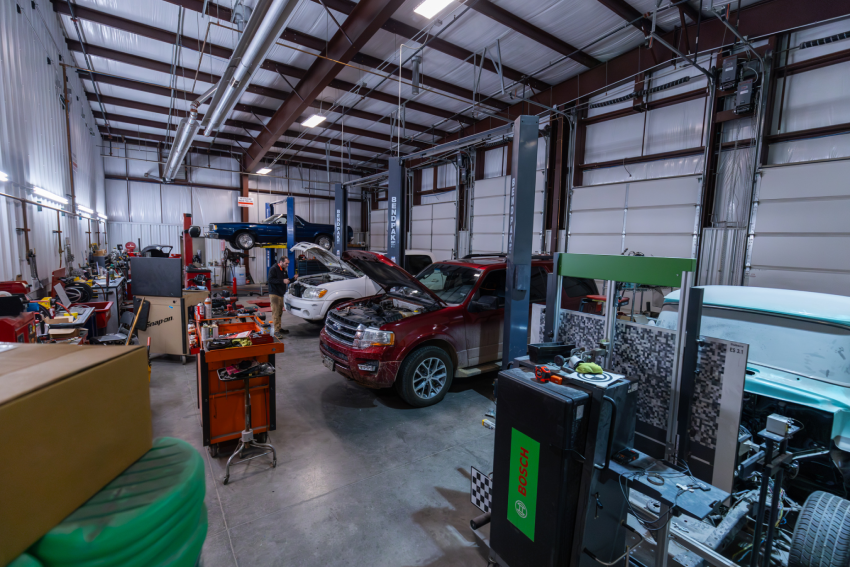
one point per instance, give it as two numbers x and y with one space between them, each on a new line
222 404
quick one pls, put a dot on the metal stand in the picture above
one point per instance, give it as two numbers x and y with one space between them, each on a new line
247 439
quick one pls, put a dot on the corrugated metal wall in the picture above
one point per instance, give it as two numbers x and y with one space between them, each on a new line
33 140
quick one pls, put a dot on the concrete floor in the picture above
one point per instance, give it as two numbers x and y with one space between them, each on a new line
361 478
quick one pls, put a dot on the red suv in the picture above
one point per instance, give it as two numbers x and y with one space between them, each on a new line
426 329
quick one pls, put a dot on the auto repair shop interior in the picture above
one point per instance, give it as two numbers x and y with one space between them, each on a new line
542 283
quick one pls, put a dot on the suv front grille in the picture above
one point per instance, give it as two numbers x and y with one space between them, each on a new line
339 328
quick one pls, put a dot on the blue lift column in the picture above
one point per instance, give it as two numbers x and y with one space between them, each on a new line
340 219
395 210
290 233
270 252
520 233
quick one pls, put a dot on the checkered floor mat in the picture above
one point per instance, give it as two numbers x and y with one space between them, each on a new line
481 490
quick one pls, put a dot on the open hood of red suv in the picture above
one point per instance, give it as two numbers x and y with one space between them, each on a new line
386 273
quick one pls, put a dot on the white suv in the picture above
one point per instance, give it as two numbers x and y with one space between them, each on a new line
311 296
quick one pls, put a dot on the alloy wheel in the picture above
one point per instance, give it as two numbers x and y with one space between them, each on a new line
429 379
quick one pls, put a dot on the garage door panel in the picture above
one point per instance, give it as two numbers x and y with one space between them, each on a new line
820 282
602 197
420 226
443 226
482 243
806 180
829 215
490 187
422 212
661 220
669 246
490 206
444 211
659 192
420 242
443 241
595 244
591 222
806 252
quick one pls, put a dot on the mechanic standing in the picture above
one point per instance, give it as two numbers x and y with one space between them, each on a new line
278 281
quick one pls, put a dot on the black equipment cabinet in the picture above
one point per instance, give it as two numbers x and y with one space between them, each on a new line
578 505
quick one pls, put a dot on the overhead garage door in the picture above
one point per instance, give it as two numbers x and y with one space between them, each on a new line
801 230
490 207
433 228
657 217
378 230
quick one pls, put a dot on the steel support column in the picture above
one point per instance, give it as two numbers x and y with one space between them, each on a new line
396 206
290 235
520 232
340 219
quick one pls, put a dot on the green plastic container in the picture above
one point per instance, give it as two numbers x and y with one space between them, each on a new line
151 514
25 560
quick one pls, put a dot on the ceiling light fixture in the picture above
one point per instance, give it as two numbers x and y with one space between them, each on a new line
430 8
52 196
265 170
85 209
314 121
3 176
101 215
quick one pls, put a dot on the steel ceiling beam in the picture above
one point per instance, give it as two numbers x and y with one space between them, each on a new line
544 38
335 156
318 44
392 26
225 150
628 13
254 126
757 20
441 45
135 60
366 19
194 44
258 110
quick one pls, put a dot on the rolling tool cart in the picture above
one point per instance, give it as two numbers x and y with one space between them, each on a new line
236 388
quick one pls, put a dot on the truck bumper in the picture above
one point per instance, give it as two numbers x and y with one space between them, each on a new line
365 367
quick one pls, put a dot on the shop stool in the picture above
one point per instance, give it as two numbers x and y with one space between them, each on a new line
247 440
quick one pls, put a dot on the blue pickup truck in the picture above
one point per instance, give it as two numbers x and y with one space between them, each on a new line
244 235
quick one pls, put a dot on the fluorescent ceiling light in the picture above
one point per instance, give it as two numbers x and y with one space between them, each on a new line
85 215
3 176
430 8
49 195
265 170
314 121
101 215
85 209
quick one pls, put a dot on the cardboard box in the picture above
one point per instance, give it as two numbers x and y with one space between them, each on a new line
99 253
72 419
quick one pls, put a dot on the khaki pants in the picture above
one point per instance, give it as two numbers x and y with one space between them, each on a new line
277 309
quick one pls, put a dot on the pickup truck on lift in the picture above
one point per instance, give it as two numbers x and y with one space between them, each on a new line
425 330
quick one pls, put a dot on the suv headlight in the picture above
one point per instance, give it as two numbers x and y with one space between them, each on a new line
314 293
365 338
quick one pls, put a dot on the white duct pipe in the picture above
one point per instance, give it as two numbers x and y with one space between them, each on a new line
186 130
264 28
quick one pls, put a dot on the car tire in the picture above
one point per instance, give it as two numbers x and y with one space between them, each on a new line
822 534
425 376
324 241
244 241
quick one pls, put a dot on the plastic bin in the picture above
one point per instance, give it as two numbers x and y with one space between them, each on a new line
102 310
